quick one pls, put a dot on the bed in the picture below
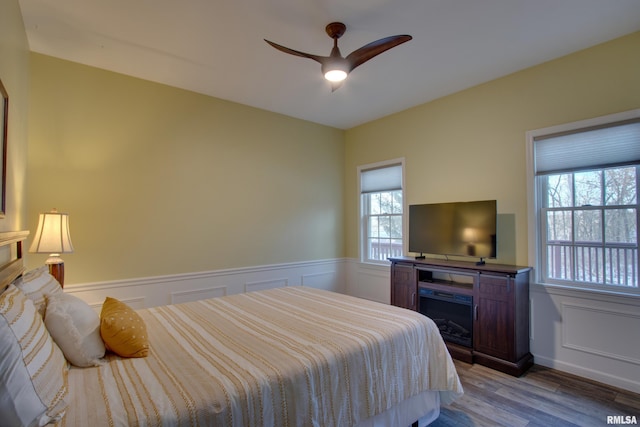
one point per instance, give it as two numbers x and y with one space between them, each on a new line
294 356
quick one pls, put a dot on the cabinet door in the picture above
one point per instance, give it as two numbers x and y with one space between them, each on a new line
403 286
493 328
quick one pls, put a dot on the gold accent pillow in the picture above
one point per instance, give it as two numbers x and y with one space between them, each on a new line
123 330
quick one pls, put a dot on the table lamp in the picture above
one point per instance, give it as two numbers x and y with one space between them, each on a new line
52 237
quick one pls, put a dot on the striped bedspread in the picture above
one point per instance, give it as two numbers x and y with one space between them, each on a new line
293 356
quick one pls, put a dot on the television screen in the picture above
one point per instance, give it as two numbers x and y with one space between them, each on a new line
458 228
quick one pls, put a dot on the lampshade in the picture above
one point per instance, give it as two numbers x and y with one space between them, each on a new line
52 235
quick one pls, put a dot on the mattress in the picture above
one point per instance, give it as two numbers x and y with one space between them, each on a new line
294 356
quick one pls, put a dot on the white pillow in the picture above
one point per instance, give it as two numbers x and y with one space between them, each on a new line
37 285
33 371
75 327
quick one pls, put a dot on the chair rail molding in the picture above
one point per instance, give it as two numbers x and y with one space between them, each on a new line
171 289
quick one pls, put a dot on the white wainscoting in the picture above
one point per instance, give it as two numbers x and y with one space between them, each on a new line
369 281
153 291
584 321
591 335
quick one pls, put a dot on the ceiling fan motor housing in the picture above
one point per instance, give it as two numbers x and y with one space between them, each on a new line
335 30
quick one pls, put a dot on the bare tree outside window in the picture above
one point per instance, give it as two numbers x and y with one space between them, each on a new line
591 221
383 218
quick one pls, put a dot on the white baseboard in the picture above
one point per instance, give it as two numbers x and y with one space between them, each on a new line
582 371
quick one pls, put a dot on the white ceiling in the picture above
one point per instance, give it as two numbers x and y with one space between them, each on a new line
216 47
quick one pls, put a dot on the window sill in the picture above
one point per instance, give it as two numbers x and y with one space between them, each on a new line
382 266
632 298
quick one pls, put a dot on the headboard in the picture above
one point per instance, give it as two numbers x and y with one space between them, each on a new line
15 266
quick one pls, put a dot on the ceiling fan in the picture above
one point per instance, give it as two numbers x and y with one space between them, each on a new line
336 68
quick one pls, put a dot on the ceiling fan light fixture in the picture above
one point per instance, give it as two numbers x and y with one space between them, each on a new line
335 67
335 75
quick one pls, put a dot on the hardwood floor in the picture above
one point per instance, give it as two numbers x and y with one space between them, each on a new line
541 397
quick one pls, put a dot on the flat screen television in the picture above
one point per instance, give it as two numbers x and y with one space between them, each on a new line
459 228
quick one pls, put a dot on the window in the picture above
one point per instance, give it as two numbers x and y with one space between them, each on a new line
585 189
382 211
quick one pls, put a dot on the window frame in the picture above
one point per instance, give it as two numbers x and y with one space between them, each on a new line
536 208
363 234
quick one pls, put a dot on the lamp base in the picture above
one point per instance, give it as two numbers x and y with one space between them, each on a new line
57 271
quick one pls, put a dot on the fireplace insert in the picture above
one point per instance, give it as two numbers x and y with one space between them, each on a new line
452 313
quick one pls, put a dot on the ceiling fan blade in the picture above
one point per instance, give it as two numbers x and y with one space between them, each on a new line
366 52
316 58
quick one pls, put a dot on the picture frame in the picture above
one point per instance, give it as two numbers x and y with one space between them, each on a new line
4 126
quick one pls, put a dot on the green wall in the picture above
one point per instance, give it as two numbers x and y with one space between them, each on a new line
471 145
14 73
159 180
